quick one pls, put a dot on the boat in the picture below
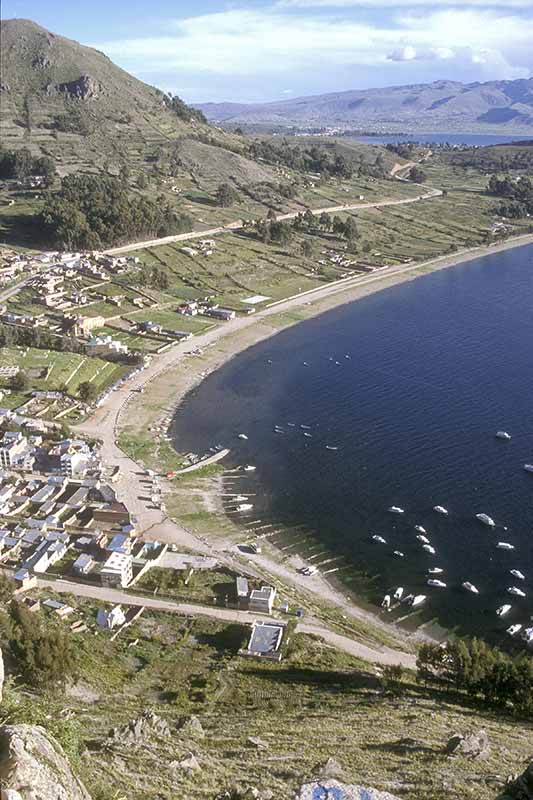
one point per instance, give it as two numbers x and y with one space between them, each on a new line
242 436
505 546
517 592
249 468
240 498
379 539
441 510
386 602
503 610
330 447
398 594
517 574
399 553
437 583
420 529
309 571
244 507
527 635
418 600
408 599
396 510
308 435
513 629
486 520
470 587
429 549
254 548
528 467
291 424
306 427
435 571
503 435
422 538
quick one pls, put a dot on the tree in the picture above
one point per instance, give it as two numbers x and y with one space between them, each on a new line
226 195
417 175
307 248
20 382
86 392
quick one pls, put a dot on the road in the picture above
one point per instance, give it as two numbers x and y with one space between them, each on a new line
239 224
383 655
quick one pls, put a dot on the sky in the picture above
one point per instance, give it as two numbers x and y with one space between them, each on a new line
263 50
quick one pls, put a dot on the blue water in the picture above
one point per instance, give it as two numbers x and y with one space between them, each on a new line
436 366
458 139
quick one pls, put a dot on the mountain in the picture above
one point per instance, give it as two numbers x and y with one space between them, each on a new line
445 106
60 98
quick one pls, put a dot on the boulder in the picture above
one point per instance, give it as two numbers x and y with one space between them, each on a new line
259 744
473 745
140 730
191 726
33 763
190 763
325 788
329 769
519 787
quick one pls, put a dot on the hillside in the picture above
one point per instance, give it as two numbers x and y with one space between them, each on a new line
441 106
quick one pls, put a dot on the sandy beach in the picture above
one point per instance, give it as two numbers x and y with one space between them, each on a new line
172 375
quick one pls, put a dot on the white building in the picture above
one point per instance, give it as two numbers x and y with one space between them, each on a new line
117 570
262 600
110 619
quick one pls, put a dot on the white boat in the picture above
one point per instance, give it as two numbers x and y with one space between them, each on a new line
306 427
441 510
517 574
418 600
242 436
420 529
422 538
429 549
505 546
470 587
244 507
528 467
240 498
308 434
249 468
398 594
399 553
503 610
437 583
330 447
386 602
527 635
396 510
516 591
513 629
435 571
379 539
486 520
503 435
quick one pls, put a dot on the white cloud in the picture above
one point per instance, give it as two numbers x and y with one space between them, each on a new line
486 4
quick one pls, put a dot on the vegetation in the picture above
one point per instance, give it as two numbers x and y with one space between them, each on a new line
417 175
21 164
226 195
518 194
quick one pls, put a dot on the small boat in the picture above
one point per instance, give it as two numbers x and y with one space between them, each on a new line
470 587
486 520
399 553
517 592
386 602
398 594
309 571
291 424
437 583
422 538
240 498
306 364
503 610
528 467
420 529
244 507
309 435
396 510
278 430
513 629
527 635
435 571
249 468
505 546
242 436
306 427
418 600
503 435
441 510
517 574
429 549
408 599
330 447
379 539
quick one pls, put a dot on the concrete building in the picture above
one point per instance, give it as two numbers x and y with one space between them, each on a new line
262 600
13 448
265 641
117 570
83 564
105 346
110 619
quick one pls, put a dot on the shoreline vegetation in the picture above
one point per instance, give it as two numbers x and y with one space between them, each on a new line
128 416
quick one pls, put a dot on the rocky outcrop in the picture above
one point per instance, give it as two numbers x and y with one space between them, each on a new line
521 787
329 787
33 763
473 745
191 727
1 675
84 88
139 731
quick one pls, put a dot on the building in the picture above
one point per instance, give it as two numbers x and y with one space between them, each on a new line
265 641
262 600
224 314
105 346
242 592
83 564
82 326
110 619
117 570
114 514
13 449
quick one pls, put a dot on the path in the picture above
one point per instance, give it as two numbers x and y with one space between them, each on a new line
384 655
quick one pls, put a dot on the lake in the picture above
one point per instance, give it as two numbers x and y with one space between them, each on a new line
457 139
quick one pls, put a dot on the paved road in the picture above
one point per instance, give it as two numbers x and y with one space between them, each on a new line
382 655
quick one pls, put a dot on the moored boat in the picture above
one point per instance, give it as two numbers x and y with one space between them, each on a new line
503 435
503 610
517 574
441 510
486 520
512 630
516 591
396 510
470 587
437 583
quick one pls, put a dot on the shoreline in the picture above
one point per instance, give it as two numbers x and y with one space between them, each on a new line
173 376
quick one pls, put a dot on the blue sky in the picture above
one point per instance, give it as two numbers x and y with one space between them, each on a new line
259 50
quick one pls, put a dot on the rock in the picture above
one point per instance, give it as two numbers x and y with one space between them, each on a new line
83 88
191 726
139 730
190 763
32 762
254 741
324 788
329 769
474 745
1 675
519 787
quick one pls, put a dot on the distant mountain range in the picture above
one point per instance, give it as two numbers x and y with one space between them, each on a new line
443 106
